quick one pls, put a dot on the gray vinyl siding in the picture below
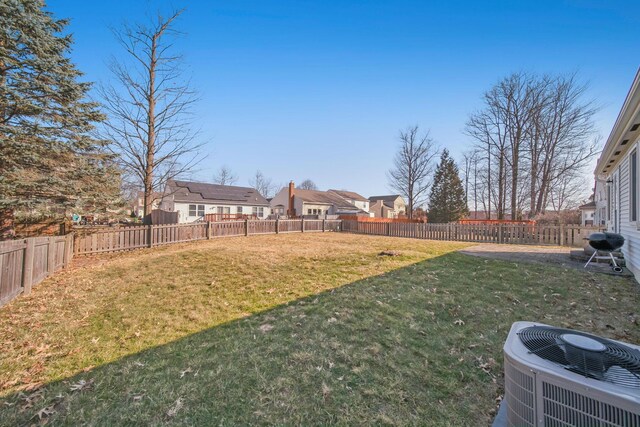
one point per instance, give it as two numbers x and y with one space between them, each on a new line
628 229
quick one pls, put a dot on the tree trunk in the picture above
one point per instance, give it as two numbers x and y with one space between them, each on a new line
151 137
514 185
489 179
501 186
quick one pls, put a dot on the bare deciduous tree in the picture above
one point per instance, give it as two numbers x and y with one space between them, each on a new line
563 138
568 192
263 184
225 176
535 133
307 184
149 107
471 175
413 166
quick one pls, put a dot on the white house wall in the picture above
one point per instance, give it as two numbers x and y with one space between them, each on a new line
362 205
322 208
184 217
628 229
281 199
600 217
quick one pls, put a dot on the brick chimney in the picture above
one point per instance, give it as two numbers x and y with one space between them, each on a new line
292 210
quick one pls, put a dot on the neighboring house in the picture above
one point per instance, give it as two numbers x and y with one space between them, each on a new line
294 202
600 196
587 213
138 205
380 210
481 215
355 199
194 200
395 202
617 178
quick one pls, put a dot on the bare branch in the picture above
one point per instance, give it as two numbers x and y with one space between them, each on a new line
148 106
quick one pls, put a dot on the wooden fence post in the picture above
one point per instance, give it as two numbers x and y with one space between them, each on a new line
302 225
246 227
51 261
66 256
208 230
561 234
388 228
323 225
150 236
27 267
277 226
500 236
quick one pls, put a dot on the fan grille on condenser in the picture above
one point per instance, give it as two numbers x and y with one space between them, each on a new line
608 361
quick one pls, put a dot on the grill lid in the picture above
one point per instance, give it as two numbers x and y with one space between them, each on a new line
606 241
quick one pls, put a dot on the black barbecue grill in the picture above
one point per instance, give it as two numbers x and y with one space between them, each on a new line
607 243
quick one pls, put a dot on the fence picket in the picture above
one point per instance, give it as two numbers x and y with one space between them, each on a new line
527 234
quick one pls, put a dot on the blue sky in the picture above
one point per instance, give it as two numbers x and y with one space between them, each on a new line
320 89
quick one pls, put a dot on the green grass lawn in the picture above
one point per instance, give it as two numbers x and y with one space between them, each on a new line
310 329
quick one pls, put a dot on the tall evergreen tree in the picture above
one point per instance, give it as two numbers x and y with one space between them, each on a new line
447 200
48 157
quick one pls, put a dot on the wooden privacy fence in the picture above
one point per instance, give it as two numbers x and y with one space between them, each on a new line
521 234
147 236
26 262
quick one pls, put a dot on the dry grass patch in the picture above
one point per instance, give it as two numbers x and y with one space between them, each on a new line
113 305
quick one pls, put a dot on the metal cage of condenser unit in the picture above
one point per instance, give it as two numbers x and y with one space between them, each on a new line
541 393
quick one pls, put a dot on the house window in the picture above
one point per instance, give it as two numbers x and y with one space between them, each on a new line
220 210
260 212
308 211
196 210
633 186
239 209
254 211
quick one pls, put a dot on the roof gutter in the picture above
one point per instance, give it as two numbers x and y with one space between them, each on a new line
628 115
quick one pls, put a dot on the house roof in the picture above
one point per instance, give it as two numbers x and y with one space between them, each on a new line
386 199
590 205
622 137
380 204
350 195
187 191
323 198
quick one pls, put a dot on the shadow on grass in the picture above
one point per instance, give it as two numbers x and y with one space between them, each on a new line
418 345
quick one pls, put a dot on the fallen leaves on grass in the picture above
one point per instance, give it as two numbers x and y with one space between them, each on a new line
29 401
82 385
46 412
185 372
173 411
265 328
325 391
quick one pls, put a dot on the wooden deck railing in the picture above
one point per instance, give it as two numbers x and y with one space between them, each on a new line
522 234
